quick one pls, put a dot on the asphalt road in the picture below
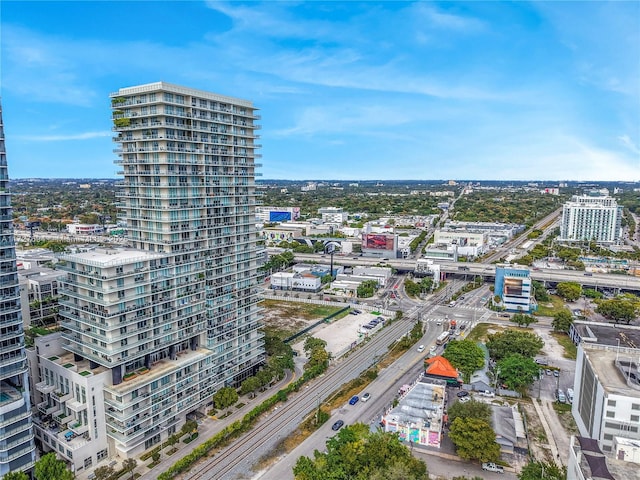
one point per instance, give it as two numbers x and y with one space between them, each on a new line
383 390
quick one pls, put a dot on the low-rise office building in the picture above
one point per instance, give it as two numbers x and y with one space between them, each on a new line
513 286
300 282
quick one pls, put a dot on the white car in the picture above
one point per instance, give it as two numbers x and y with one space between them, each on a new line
464 399
492 467
421 348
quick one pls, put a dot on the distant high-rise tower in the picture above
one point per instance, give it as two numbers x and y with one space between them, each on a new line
595 216
175 317
17 449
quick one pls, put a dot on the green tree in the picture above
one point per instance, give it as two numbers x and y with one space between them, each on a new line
470 409
426 284
474 440
225 397
316 353
466 356
562 321
367 289
570 291
413 289
356 453
592 293
503 344
129 465
15 476
535 470
620 309
523 320
540 292
250 385
105 472
517 371
50 468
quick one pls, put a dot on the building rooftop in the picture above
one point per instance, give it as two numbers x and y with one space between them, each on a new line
608 334
423 404
614 366
596 466
110 257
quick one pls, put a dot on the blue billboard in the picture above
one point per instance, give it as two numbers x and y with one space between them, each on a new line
279 216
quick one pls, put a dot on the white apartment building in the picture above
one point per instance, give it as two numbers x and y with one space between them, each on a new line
333 215
591 217
68 394
175 317
606 401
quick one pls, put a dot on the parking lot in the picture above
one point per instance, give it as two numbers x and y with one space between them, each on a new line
552 352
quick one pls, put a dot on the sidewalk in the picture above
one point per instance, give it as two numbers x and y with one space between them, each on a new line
208 426
549 433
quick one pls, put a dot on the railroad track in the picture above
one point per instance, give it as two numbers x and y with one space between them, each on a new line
285 418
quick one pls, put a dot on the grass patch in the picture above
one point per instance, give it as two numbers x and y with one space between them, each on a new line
240 405
480 331
172 451
190 438
566 418
308 311
549 309
570 350
561 407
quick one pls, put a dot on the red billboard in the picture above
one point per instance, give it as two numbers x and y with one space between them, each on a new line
377 241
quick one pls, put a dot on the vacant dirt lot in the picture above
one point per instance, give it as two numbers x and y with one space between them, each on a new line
286 318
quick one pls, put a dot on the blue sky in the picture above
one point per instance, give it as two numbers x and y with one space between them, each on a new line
347 90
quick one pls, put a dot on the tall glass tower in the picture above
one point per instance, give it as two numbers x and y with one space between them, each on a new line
17 449
175 317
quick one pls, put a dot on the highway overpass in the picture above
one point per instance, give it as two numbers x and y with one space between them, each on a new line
595 280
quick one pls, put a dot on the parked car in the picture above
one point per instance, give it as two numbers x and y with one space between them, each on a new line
354 400
486 393
421 348
548 372
337 426
465 399
492 467
556 373
366 397
462 393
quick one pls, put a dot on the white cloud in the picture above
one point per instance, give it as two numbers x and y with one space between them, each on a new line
63 138
627 142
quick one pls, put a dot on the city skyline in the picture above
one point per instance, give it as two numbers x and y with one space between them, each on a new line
362 91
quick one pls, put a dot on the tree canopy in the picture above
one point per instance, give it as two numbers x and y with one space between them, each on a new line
50 468
367 289
15 476
356 453
474 439
503 344
517 371
535 470
570 291
620 309
466 356
225 397
470 409
562 321
523 320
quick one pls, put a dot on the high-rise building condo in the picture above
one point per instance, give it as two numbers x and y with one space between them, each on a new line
175 317
17 448
595 216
